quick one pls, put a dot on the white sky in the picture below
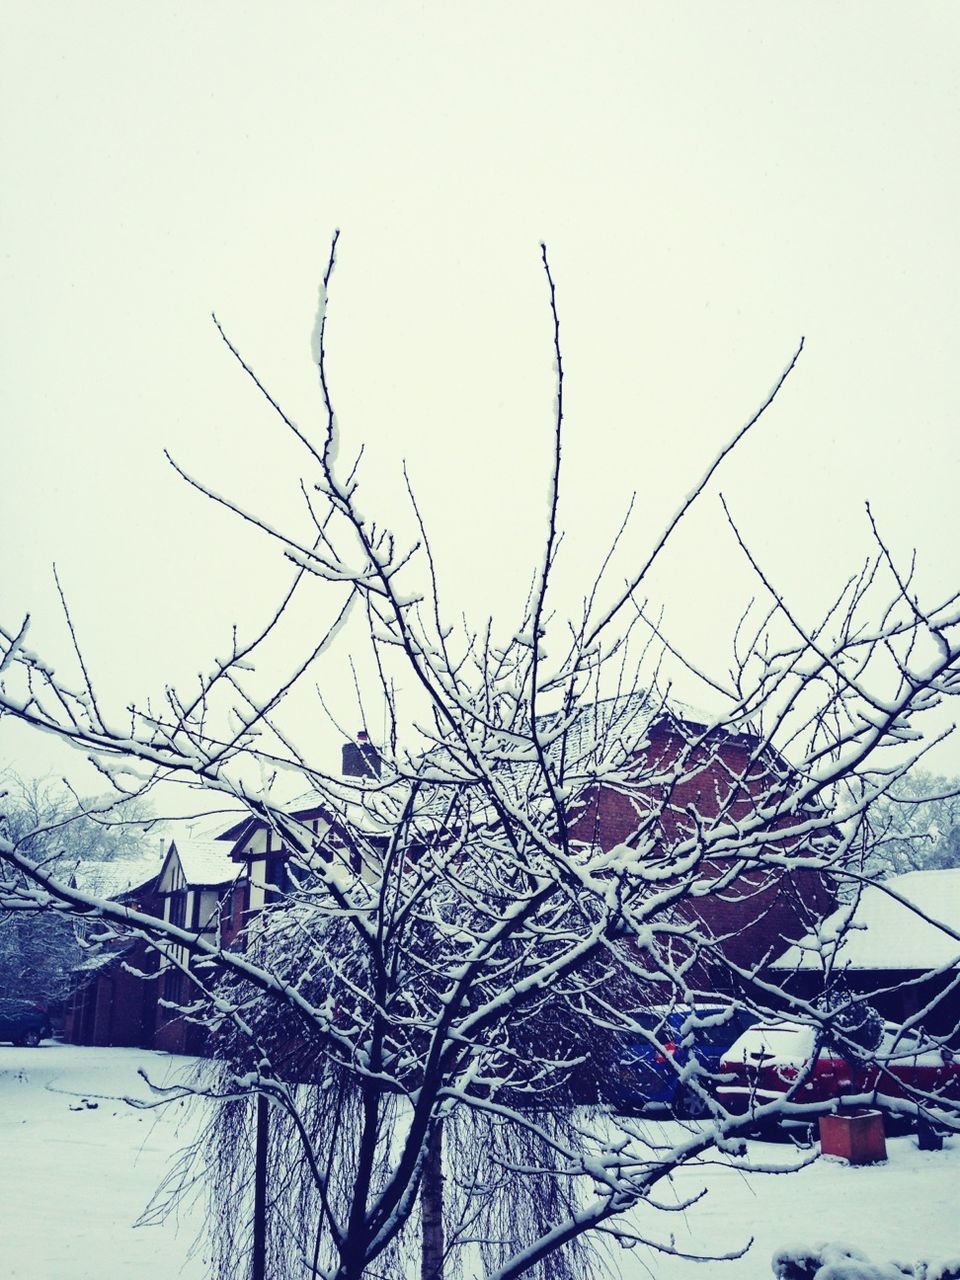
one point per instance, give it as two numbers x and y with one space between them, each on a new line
713 182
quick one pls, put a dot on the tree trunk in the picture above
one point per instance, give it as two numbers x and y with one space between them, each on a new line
258 1268
431 1206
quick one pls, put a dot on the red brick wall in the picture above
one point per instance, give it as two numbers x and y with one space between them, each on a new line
759 913
178 1035
114 1007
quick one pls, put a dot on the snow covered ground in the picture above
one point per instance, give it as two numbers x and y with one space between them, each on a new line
908 1208
77 1167
75 1177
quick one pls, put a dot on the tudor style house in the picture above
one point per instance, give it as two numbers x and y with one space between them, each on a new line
124 991
201 889
216 885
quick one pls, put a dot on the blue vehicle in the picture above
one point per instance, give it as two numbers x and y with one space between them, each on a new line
23 1023
650 1063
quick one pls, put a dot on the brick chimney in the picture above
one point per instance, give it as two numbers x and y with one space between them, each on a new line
361 759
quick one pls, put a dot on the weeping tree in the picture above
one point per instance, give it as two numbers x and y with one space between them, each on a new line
546 845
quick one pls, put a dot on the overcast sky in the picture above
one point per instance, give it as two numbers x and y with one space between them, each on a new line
713 183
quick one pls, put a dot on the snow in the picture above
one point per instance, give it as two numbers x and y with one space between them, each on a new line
205 861
905 1208
120 875
77 1166
74 1178
781 1043
887 934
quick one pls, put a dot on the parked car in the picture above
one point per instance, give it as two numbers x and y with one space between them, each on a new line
23 1022
650 1065
771 1059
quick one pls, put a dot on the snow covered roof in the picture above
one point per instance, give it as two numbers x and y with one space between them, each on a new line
884 932
621 721
112 878
209 826
595 737
608 729
100 957
205 861
598 726
246 821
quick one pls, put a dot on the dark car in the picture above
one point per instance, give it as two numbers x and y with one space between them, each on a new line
657 1068
772 1060
23 1022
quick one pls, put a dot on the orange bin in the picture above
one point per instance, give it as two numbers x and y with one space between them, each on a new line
855 1136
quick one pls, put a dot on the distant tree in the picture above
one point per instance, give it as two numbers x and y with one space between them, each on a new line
915 826
80 841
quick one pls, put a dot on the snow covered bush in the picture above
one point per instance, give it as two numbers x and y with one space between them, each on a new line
836 1261
856 1024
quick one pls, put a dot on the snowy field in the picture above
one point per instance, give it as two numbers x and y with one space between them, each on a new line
75 1177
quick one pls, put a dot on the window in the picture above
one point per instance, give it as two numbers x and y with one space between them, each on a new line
178 907
277 877
172 985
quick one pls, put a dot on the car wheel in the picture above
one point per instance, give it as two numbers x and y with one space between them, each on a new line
30 1039
689 1104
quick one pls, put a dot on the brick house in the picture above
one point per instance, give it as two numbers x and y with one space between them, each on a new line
724 773
111 1004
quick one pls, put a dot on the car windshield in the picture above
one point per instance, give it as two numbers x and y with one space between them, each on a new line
897 1045
670 1023
781 1042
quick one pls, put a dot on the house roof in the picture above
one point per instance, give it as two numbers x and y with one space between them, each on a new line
301 806
204 861
882 932
139 890
610 728
100 957
114 879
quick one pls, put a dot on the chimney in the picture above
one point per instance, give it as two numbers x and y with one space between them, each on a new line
361 759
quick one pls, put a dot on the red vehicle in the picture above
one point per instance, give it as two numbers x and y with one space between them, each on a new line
773 1060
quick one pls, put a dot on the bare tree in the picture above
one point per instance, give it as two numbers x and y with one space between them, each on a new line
547 845
916 826
88 841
